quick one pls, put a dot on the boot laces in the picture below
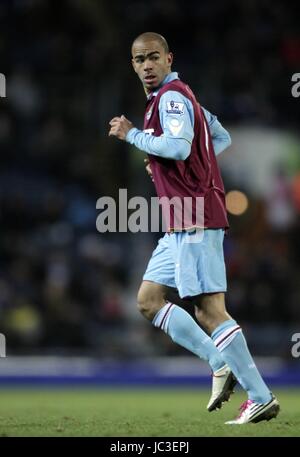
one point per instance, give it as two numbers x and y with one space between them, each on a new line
243 407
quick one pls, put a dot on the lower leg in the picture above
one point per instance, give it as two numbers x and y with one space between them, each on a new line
177 323
184 331
229 340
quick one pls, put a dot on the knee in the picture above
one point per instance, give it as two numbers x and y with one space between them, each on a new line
201 316
205 319
148 303
211 312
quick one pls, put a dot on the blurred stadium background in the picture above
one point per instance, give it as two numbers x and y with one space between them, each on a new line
67 292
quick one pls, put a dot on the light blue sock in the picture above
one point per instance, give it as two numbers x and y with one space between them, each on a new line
184 331
230 341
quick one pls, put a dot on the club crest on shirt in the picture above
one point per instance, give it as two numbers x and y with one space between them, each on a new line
175 107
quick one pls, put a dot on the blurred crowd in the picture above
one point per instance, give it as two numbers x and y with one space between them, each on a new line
64 286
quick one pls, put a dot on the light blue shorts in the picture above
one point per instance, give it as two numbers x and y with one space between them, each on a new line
193 262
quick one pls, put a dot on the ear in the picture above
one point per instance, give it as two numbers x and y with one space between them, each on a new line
170 58
133 64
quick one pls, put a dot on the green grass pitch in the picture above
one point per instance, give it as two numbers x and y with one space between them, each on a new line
135 412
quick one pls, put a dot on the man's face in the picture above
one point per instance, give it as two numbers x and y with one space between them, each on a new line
151 62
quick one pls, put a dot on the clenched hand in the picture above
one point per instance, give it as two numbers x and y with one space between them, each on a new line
119 127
